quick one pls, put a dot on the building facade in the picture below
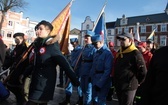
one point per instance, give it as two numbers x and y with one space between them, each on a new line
146 24
74 33
88 24
110 28
13 23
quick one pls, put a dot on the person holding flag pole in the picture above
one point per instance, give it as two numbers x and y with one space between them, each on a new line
102 62
87 57
84 59
85 67
75 65
46 58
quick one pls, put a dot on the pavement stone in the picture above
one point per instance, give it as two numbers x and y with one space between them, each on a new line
59 95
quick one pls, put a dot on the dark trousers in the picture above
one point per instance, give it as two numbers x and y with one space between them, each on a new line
139 94
18 92
61 76
125 97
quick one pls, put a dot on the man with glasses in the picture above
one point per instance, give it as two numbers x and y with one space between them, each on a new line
129 69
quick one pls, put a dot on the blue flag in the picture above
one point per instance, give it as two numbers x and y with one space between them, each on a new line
100 28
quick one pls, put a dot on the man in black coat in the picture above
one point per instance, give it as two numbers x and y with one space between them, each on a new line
129 70
155 90
45 59
12 81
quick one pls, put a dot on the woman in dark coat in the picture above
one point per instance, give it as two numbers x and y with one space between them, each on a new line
46 58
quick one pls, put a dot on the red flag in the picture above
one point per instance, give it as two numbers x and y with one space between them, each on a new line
61 28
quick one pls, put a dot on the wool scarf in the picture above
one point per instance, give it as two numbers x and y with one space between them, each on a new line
129 49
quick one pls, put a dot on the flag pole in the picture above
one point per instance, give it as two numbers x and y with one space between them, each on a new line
99 15
154 40
105 32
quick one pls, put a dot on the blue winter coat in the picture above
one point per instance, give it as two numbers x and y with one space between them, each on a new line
102 66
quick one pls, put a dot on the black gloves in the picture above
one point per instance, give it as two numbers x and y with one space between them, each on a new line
97 88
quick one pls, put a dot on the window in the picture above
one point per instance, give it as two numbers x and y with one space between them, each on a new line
163 28
143 38
156 39
126 29
9 34
123 21
2 33
135 29
143 29
87 27
154 27
163 40
109 32
10 23
119 30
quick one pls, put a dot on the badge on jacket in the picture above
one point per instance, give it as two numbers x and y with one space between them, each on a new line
42 50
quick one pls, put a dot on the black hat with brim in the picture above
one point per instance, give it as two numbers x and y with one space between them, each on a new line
18 34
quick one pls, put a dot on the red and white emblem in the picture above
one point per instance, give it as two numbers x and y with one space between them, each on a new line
42 50
31 55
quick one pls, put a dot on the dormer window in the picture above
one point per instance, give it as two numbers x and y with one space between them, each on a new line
124 20
147 19
87 26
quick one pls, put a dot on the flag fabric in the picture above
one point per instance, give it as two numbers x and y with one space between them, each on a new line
61 28
100 26
151 36
137 37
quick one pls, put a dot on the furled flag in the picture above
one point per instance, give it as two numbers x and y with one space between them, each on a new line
61 28
100 25
131 31
137 37
151 36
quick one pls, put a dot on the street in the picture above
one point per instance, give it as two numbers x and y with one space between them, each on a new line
58 97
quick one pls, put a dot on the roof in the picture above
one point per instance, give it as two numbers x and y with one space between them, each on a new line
145 19
110 25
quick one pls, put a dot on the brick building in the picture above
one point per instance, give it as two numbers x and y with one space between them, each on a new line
146 24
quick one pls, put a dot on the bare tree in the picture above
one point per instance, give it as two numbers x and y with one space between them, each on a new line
6 5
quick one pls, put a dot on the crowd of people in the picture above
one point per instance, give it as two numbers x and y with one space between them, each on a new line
135 72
